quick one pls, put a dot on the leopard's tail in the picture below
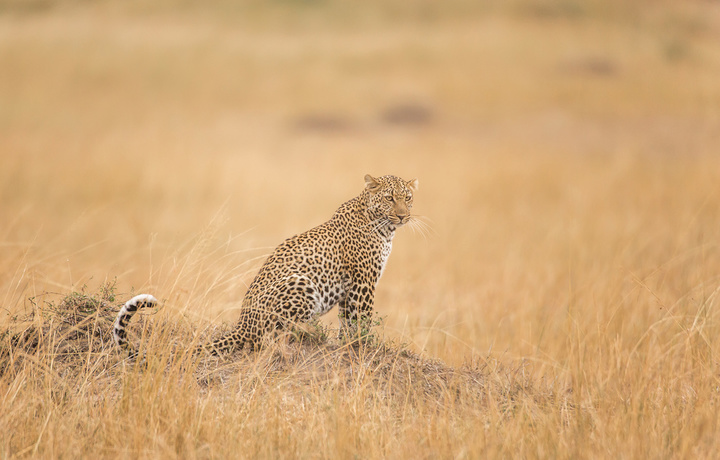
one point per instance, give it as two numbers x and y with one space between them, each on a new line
232 341
126 312
224 344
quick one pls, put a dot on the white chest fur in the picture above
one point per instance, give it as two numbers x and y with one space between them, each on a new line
384 255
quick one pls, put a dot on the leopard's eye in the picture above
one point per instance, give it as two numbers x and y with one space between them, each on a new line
389 197
408 197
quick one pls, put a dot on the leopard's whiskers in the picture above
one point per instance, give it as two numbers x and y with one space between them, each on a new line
372 222
383 222
418 224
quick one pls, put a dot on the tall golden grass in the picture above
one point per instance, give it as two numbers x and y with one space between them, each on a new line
563 305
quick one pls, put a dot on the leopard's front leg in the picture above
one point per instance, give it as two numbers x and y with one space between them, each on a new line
356 308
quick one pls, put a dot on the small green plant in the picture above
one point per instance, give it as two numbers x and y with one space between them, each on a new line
312 333
366 331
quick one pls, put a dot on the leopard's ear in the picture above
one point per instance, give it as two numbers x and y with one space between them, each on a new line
413 184
371 183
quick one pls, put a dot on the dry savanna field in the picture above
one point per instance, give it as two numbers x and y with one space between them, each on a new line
562 300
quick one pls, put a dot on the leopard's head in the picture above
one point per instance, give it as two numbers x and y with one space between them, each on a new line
389 199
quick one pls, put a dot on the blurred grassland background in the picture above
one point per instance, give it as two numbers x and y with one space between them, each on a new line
569 167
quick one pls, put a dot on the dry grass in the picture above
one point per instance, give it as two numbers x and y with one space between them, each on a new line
564 305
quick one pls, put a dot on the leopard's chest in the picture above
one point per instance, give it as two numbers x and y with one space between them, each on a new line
384 256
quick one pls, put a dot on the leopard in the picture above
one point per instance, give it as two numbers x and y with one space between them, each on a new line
337 263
